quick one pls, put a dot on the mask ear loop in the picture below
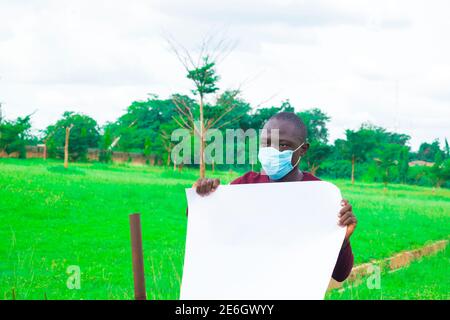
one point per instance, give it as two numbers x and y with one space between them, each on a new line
300 157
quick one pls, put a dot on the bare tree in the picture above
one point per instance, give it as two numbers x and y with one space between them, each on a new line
46 140
201 71
167 145
66 146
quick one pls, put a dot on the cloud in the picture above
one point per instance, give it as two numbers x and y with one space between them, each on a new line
285 13
345 57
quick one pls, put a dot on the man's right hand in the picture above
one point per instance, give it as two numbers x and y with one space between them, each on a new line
205 186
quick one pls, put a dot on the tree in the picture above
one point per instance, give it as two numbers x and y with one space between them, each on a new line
261 115
317 153
139 128
440 171
202 72
428 151
14 135
230 119
105 146
366 143
387 157
316 125
446 149
205 80
147 147
357 146
164 139
403 164
84 134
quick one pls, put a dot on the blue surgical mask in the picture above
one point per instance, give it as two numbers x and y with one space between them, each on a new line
277 164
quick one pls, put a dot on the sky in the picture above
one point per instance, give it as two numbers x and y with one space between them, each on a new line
384 62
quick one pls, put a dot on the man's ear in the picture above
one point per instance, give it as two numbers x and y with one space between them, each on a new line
304 149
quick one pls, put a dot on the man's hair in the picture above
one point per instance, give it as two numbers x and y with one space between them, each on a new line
293 119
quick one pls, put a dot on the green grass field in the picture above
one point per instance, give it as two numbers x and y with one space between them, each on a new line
427 278
53 218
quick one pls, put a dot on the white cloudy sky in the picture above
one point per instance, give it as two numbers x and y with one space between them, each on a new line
387 62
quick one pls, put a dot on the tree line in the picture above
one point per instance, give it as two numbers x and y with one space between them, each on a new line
369 153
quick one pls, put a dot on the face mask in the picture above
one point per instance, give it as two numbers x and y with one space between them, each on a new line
275 163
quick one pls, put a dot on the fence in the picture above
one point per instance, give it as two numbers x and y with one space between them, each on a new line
93 155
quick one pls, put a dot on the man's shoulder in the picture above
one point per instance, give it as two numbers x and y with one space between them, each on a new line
309 177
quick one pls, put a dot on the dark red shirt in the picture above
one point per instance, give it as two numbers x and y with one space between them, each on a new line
255 177
344 262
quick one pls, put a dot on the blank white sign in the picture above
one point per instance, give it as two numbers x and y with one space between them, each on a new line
262 241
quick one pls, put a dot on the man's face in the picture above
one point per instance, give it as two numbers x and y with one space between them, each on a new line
288 138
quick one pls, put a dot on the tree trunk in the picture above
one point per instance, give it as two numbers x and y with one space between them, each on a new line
45 151
202 140
386 179
314 169
66 148
353 169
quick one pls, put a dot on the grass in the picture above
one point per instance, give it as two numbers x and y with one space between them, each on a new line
403 218
424 279
53 218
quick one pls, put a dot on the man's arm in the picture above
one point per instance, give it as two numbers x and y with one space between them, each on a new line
344 262
345 259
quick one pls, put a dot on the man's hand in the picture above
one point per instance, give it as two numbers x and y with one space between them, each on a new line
347 218
205 186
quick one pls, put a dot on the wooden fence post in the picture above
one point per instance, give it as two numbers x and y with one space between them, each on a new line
138 257
66 146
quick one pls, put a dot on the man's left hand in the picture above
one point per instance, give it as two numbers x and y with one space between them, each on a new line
347 218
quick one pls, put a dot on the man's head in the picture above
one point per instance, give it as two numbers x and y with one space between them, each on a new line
291 134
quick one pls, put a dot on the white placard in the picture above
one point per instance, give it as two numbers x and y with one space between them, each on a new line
262 241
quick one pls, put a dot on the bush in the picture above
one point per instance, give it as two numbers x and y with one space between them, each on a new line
339 169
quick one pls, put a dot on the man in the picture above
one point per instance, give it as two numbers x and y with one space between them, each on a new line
281 164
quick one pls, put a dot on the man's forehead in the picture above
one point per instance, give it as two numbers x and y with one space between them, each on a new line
284 129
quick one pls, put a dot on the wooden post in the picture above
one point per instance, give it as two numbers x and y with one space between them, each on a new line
66 147
138 257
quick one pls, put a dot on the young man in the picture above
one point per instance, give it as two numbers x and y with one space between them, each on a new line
280 164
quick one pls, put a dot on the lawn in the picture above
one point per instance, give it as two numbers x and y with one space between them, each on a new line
53 218
424 279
